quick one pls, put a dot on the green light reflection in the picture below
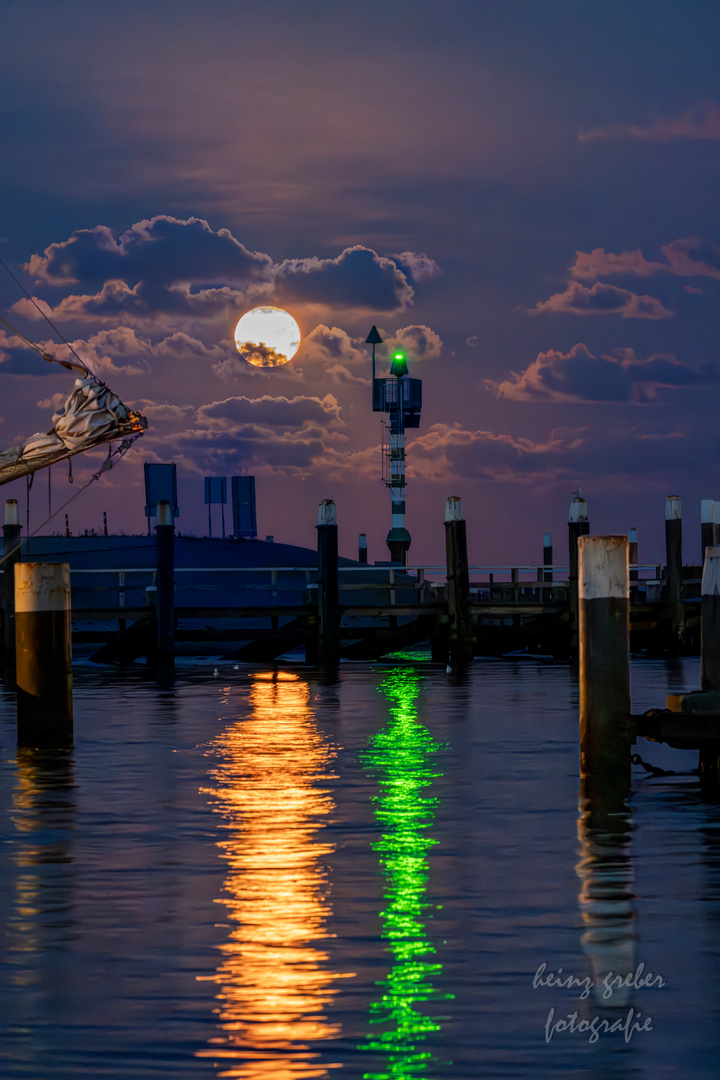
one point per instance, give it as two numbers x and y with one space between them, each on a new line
400 756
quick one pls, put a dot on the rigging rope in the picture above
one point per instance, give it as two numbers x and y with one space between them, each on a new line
48 320
107 464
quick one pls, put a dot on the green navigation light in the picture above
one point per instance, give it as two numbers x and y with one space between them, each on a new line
400 757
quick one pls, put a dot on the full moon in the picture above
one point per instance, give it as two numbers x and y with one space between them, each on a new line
267 336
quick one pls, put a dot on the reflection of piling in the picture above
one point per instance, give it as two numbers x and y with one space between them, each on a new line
633 553
604 632
328 592
43 644
673 559
547 557
362 548
458 582
578 525
707 526
165 533
606 902
11 555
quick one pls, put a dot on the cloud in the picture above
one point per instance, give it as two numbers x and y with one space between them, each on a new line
152 250
602 300
358 279
164 269
579 376
420 265
689 257
701 121
419 342
276 412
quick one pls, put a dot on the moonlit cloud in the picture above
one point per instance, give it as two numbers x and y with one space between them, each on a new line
701 121
579 376
602 300
690 257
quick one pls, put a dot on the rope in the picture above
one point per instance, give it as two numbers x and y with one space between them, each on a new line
107 464
47 319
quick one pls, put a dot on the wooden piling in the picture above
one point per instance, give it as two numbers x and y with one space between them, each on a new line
604 638
578 525
362 548
708 762
633 552
707 526
43 651
673 580
165 581
547 557
328 591
12 534
458 583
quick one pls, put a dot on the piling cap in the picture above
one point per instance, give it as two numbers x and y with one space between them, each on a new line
672 508
711 572
362 540
547 540
707 511
12 514
632 535
578 509
453 509
327 513
164 513
603 567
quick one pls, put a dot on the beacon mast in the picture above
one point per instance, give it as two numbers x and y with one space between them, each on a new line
400 397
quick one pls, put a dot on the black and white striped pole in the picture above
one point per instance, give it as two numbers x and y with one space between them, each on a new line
43 654
708 762
362 548
633 541
604 633
707 526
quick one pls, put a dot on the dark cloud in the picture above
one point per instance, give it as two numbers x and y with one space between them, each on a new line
158 250
602 300
272 411
419 265
358 280
580 376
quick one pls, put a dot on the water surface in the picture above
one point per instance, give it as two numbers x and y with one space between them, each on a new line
270 874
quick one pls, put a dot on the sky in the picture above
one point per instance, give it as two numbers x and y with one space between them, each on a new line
521 194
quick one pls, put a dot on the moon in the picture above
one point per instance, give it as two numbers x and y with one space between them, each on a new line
267 336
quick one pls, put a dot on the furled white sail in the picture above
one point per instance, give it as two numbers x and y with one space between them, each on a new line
91 416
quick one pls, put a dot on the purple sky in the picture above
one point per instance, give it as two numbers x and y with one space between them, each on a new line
523 194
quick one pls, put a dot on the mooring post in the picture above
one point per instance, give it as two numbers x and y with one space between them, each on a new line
578 525
708 762
633 549
11 554
362 548
328 591
458 582
604 632
547 557
43 654
165 581
707 526
673 578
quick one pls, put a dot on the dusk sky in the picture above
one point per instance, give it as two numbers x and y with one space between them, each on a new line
523 194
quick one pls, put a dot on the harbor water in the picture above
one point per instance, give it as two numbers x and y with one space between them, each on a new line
263 872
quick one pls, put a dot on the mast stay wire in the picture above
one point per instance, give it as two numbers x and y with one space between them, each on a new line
47 319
